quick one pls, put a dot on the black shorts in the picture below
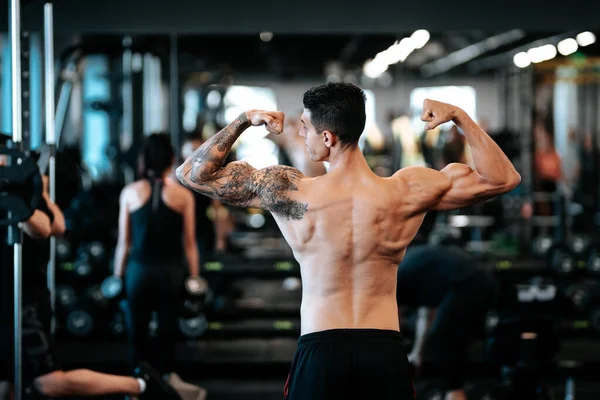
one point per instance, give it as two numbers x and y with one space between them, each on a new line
350 364
38 351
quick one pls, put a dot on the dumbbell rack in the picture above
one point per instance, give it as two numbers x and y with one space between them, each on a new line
251 317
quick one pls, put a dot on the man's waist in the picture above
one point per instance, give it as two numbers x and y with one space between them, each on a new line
349 333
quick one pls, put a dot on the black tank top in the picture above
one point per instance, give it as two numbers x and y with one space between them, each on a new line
156 231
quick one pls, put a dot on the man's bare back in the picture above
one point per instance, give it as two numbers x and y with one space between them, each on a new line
349 244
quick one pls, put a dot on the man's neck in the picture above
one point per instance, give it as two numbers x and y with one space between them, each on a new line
347 159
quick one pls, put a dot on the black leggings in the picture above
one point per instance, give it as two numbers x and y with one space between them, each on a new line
459 320
153 288
448 279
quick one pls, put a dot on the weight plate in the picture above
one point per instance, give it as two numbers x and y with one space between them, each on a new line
193 327
80 323
63 250
579 243
578 294
66 296
593 263
542 244
96 251
83 269
21 187
562 261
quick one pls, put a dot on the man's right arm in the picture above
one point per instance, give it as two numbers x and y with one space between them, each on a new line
457 185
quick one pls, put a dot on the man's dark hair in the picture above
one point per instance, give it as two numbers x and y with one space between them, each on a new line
339 108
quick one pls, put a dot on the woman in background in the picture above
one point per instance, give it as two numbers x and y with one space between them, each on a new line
156 229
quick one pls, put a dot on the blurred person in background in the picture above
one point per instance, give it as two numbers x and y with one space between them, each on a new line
157 238
42 372
453 295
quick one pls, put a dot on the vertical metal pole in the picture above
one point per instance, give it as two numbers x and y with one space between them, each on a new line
174 95
527 103
51 142
15 42
64 98
127 96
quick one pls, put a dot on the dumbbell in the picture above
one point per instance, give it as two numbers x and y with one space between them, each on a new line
593 262
83 267
562 260
80 323
66 297
541 244
63 250
95 296
112 287
579 243
194 327
197 296
579 295
96 252
89 259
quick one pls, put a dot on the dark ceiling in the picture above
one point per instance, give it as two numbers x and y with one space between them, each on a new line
308 16
292 57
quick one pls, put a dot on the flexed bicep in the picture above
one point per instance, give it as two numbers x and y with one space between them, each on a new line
231 184
456 186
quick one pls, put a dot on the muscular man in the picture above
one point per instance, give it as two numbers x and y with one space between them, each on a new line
349 230
453 296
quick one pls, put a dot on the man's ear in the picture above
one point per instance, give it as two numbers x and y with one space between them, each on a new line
329 139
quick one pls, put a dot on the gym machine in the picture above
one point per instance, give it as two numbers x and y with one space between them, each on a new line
22 182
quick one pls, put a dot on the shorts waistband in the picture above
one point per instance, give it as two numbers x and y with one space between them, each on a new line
349 333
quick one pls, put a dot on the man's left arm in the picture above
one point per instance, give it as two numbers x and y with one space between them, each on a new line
238 183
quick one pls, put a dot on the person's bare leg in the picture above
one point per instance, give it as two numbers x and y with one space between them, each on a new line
456 395
83 382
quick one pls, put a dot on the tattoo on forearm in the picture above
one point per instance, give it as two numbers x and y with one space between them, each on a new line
238 183
211 156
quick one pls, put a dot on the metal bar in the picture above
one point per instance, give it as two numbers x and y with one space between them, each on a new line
174 95
498 60
49 80
15 42
63 102
127 96
49 75
471 52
